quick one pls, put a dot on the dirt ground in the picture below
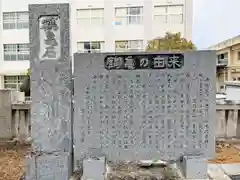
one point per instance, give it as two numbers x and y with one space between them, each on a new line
226 153
11 162
12 159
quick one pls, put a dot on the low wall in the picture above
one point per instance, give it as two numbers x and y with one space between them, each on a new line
15 118
228 121
14 115
5 114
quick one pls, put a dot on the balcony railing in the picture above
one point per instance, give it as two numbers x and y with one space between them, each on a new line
222 62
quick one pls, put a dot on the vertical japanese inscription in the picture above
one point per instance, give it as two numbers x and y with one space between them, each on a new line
49 32
150 105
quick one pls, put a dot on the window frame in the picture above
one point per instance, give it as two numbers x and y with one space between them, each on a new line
166 15
128 44
90 17
91 43
127 17
20 51
13 20
13 81
238 55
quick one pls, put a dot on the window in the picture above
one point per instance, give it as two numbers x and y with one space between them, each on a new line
126 46
238 55
93 46
16 52
13 82
172 14
222 59
15 20
90 17
130 15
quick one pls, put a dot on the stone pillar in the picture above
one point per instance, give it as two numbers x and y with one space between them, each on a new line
231 126
229 69
51 91
22 125
17 119
28 122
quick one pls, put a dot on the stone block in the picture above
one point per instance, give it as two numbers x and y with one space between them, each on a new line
194 167
49 167
231 169
94 169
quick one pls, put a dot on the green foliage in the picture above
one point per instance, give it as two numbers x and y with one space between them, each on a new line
28 72
25 86
170 42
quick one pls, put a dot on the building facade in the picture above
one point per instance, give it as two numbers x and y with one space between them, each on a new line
228 61
96 26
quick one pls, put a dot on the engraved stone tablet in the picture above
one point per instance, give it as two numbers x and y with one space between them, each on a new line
51 91
50 77
144 106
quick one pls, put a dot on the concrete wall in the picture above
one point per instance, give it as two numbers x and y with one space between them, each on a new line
5 114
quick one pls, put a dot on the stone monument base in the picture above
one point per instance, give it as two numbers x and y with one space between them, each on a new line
54 166
193 167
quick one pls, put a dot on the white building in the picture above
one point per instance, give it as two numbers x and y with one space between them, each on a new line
97 25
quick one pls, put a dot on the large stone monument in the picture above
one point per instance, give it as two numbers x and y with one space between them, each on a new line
145 106
51 91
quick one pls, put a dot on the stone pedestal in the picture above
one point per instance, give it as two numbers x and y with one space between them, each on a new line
48 166
193 167
94 169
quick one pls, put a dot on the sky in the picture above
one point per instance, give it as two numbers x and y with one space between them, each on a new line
215 21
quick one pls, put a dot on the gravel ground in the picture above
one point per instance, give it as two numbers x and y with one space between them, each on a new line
12 159
226 154
11 162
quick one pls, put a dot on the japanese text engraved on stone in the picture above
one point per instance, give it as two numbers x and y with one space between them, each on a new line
49 32
145 114
150 61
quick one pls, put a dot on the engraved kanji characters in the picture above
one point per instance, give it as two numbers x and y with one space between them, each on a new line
159 62
174 62
129 63
114 62
50 27
147 61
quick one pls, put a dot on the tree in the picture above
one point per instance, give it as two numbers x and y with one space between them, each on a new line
25 86
170 42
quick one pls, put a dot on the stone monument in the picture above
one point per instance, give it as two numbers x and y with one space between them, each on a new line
51 91
145 106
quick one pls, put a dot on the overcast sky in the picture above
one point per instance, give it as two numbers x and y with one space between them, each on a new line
215 21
